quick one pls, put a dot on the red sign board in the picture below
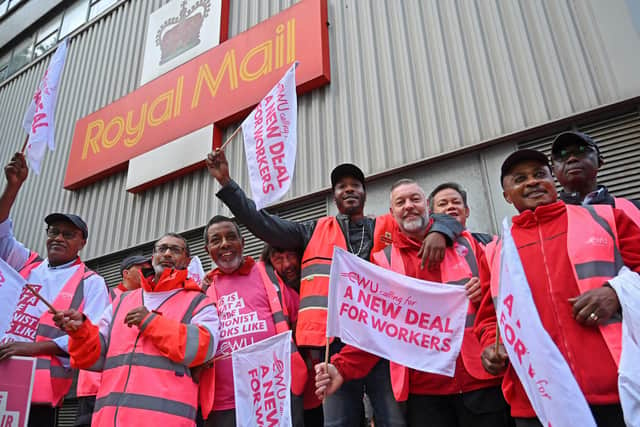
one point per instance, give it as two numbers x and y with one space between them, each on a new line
16 385
217 87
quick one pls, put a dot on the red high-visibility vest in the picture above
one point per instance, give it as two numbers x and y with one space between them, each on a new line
52 381
272 285
592 264
629 208
139 384
459 265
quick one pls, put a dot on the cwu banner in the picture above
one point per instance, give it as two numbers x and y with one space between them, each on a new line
270 141
11 286
412 322
39 118
541 368
262 382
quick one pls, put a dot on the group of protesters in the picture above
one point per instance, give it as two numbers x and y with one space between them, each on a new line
157 348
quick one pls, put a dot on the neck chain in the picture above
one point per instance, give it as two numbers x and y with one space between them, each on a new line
361 243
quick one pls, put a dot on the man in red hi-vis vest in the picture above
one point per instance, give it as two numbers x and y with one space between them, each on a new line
89 382
569 255
351 230
147 344
254 304
576 160
63 279
471 397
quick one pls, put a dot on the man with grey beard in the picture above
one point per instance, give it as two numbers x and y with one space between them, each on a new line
471 397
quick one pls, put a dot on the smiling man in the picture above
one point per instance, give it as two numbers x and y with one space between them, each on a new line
254 304
351 230
146 344
569 254
576 160
63 279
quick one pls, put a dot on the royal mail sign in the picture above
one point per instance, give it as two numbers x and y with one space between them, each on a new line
217 87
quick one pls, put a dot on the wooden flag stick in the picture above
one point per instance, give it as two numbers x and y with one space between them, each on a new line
235 132
24 146
41 298
497 336
326 362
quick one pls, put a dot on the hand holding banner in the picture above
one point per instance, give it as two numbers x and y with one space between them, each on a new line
270 141
412 322
262 382
541 368
39 118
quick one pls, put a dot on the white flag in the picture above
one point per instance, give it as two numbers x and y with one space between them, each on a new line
412 322
270 141
262 382
39 119
11 286
541 368
195 270
627 286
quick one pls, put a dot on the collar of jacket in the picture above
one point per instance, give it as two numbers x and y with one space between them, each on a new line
541 214
169 279
601 198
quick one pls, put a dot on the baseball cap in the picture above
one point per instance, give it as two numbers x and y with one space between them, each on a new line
520 156
346 169
132 260
73 219
566 138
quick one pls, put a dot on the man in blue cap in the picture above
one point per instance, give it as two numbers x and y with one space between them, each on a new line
61 278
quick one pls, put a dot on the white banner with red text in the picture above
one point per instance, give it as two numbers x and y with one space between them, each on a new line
39 118
262 382
11 286
196 272
412 322
627 287
270 141
541 368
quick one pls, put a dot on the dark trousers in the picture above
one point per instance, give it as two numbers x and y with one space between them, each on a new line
478 408
314 417
85 411
605 415
42 416
221 419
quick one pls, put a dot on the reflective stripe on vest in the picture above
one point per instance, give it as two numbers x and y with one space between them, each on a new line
458 266
629 208
52 381
137 379
592 249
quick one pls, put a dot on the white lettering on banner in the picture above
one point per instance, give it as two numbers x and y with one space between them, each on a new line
15 323
233 324
270 140
7 418
412 322
541 368
262 380
39 118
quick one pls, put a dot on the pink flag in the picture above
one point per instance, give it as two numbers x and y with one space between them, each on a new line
39 118
270 141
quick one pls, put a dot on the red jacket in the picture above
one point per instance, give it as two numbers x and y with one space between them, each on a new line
541 239
353 363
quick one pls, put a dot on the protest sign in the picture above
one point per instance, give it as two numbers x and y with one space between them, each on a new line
196 272
16 385
270 140
39 117
11 294
541 368
412 322
262 382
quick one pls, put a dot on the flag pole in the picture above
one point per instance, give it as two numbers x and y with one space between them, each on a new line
326 361
41 298
497 335
24 145
235 132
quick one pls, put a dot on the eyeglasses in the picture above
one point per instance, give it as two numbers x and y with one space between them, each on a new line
52 233
578 151
175 250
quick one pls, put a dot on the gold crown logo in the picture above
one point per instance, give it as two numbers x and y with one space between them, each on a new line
180 33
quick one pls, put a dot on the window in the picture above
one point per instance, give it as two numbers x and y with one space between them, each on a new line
21 55
99 6
47 36
74 16
4 65
3 7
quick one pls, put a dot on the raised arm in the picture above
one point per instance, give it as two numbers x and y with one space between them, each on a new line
12 251
270 228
